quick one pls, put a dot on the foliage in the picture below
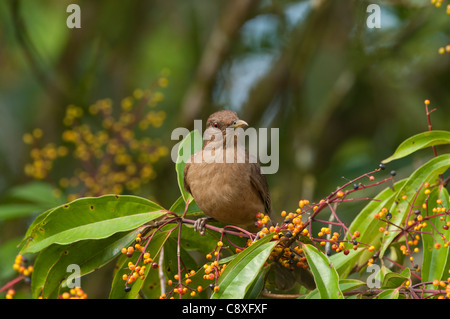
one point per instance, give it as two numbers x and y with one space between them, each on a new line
152 246
343 95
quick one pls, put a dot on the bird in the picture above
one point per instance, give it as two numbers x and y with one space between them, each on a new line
227 184
224 179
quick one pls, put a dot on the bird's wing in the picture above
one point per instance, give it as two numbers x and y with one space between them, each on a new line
185 182
259 182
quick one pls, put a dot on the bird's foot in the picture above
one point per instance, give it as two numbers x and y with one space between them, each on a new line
200 223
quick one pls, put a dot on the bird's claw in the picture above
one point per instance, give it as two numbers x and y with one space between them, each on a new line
199 225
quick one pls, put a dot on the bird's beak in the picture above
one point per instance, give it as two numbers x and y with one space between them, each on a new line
239 123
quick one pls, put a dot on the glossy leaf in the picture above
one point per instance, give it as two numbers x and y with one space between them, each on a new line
90 218
429 172
240 273
39 193
118 284
394 280
419 141
344 285
436 261
257 285
325 275
51 266
368 228
192 143
388 294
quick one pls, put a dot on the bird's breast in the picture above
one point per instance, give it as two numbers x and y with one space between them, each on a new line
224 191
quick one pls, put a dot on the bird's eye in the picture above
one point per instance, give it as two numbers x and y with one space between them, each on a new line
215 124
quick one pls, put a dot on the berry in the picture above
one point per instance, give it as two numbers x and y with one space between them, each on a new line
127 288
382 166
393 173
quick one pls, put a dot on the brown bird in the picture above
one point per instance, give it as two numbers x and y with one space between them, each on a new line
230 191
233 192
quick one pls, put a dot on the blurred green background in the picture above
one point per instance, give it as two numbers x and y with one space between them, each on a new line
343 95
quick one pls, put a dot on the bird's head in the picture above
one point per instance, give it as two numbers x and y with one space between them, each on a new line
224 119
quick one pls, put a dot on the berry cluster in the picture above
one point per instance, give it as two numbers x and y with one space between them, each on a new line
114 150
438 4
138 269
74 293
10 293
20 265
181 288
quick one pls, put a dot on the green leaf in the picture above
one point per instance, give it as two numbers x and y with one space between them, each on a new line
388 294
419 141
429 172
368 227
436 261
325 275
257 285
51 265
90 218
19 210
344 285
171 260
26 200
36 192
118 285
394 280
189 145
240 273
